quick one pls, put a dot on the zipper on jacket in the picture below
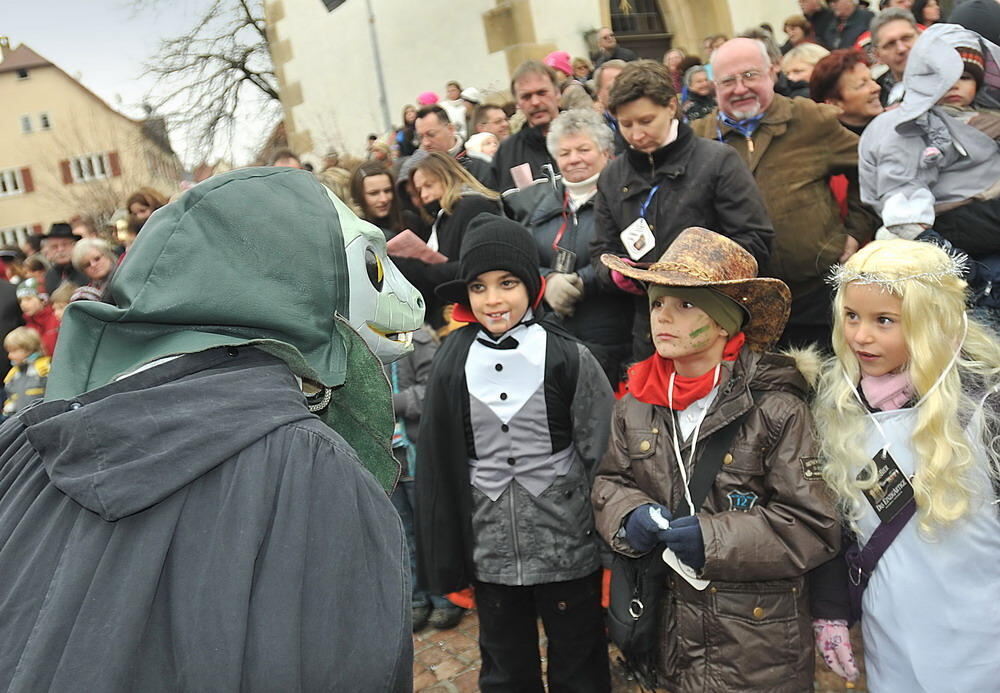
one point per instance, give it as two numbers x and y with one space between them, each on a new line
750 144
513 532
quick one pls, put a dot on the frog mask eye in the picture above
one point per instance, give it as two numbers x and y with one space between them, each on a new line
373 265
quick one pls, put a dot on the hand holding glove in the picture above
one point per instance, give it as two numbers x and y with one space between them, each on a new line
641 530
685 540
833 641
562 292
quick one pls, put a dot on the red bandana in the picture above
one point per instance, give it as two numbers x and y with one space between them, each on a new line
648 380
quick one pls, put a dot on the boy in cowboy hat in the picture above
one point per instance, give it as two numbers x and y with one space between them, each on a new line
712 399
515 419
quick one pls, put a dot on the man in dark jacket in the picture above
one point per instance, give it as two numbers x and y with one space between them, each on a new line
536 89
850 21
437 133
57 247
179 514
819 16
792 147
607 42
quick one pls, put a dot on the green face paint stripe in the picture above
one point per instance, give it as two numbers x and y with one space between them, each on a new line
698 331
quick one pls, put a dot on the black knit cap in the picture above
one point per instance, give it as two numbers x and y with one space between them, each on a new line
494 243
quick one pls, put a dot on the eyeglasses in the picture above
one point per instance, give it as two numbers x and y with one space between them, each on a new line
902 41
748 78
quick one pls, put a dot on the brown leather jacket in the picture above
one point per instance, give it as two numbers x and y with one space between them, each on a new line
766 522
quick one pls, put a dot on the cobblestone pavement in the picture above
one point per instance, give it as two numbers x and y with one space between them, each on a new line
447 661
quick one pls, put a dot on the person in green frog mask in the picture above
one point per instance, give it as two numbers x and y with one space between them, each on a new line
200 502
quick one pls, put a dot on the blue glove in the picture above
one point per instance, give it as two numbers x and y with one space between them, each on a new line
684 539
641 532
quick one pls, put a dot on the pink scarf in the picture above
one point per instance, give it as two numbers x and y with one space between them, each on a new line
887 392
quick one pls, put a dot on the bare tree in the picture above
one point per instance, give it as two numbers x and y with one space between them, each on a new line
208 78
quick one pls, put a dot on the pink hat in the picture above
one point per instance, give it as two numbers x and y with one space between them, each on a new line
427 98
559 60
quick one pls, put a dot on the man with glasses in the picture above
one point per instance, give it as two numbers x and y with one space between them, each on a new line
894 32
608 48
437 133
793 147
492 119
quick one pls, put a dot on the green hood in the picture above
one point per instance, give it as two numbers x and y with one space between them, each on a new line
251 256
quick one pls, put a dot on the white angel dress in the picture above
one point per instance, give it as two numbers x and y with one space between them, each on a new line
932 607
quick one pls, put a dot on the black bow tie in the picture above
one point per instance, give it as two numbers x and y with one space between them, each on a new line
505 343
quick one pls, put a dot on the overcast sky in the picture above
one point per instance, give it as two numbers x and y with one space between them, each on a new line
104 43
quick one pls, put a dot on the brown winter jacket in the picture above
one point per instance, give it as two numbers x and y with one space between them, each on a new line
750 630
798 146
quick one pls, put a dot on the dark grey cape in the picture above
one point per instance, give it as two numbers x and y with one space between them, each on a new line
194 528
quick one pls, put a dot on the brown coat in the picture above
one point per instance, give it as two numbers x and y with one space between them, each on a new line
798 146
750 630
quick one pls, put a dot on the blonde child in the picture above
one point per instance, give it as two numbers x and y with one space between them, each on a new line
61 298
25 381
907 412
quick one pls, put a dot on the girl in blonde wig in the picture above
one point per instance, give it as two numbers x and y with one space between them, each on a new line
914 378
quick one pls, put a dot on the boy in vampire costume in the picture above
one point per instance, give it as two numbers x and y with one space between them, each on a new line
196 505
515 419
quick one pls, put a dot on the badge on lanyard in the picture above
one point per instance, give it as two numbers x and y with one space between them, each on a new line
637 238
892 490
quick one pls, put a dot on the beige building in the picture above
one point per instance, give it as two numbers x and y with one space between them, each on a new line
64 152
326 67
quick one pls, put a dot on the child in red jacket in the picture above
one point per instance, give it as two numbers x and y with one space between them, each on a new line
38 314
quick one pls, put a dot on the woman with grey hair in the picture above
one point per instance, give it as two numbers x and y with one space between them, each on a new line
699 100
96 259
560 216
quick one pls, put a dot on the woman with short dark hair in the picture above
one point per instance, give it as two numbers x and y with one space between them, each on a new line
667 180
842 79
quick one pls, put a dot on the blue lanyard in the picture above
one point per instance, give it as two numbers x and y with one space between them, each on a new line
649 198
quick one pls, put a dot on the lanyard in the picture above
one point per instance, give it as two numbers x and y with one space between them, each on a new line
694 436
649 198
565 221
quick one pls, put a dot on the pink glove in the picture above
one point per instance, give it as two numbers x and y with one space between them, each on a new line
833 641
626 284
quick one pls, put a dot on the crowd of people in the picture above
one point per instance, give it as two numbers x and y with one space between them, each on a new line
702 335
72 261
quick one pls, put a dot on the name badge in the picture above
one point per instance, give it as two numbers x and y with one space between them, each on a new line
892 490
638 239
565 261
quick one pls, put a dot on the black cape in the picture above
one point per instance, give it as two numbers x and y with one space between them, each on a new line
194 528
444 494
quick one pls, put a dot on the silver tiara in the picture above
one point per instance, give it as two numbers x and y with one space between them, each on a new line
955 267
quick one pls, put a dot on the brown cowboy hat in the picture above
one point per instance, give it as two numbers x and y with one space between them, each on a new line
702 258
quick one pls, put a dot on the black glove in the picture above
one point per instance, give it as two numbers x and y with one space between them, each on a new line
685 540
641 531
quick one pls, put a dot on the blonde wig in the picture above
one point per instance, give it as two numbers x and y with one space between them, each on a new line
453 176
934 323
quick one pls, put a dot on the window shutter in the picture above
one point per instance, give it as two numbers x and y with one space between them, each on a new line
67 175
116 169
29 184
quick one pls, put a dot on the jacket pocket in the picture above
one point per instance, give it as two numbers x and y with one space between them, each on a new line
760 626
641 442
